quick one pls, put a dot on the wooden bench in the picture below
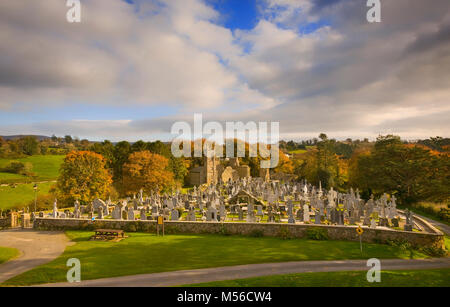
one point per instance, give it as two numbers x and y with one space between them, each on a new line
108 234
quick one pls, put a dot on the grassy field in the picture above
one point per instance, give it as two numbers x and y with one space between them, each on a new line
297 151
21 195
146 253
7 253
419 278
45 168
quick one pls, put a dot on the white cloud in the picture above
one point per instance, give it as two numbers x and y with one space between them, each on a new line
344 77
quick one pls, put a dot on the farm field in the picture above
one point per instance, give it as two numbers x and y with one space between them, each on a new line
45 167
21 195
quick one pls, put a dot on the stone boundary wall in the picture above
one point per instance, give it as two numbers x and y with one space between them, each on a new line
4 222
348 233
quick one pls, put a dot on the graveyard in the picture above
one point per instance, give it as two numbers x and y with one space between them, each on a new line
251 206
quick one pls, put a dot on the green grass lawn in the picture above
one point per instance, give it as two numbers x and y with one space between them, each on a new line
7 253
418 278
146 253
21 195
45 167
298 151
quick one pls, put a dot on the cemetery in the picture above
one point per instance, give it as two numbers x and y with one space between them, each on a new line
252 207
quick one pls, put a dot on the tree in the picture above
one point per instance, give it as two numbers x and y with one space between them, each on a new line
148 171
83 176
121 153
29 145
68 139
139 146
407 170
285 164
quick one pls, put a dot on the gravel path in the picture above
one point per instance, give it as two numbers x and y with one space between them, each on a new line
36 248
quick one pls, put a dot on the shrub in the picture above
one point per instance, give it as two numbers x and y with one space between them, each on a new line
317 233
16 167
43 202
434 251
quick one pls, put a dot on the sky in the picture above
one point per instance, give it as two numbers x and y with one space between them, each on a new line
131 69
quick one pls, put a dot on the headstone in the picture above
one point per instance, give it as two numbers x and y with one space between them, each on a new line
211 214
143 215
175 215
191 215
299 215
131 215
318 217
306 213
373 223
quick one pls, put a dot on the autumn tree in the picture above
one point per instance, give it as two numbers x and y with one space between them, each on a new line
411 172
285 164
148 171
83 176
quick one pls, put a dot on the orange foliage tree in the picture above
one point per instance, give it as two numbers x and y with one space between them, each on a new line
83 176
148 171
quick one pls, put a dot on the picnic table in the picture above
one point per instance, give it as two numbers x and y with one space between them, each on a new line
108 234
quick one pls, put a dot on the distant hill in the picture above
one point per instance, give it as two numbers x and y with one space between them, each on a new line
15 137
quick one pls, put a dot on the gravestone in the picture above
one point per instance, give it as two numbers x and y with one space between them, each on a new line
175 215
306 213
191 215
299 215
317 218
131 216
143 215
211 214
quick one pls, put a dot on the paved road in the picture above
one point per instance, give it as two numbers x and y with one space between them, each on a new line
441 226
253 270
36 248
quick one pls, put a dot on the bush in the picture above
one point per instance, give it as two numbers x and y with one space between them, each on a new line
403 245
317 233
434 251
44 202
16 167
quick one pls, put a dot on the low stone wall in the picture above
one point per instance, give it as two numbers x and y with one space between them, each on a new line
435 240
4 222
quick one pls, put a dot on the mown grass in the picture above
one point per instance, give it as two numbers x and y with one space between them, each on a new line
45 167
21 195
7 253
146 253
416 278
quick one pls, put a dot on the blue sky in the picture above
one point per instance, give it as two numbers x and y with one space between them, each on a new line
132 68
237 14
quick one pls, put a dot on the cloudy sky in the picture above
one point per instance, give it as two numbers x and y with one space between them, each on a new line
132 68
